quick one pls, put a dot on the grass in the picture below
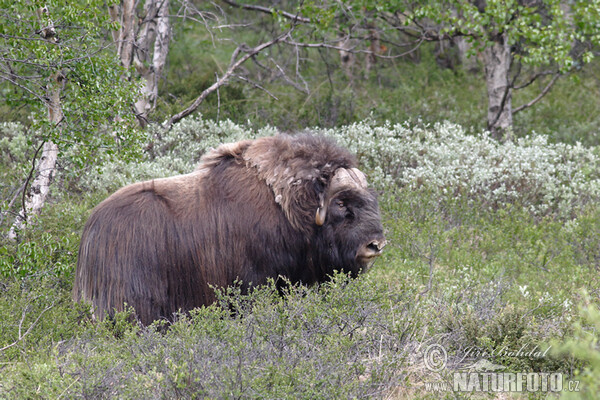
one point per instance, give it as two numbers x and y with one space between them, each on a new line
452 274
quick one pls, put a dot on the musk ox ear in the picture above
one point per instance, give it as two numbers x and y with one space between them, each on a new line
343 179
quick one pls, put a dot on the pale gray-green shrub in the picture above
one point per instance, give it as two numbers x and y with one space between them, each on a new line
13 143
541 176
174 152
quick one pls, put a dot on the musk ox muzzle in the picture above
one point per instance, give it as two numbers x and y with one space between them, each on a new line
292 206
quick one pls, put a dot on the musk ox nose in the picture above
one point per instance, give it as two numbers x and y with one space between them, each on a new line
377 245
371 250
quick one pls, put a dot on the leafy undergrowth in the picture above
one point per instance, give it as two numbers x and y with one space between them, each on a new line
451 275
478 273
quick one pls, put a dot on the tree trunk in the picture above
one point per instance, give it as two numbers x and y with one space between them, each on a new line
46 168
374 50
157 29
36 197
469 64
134 41
125 37
347 58
497 60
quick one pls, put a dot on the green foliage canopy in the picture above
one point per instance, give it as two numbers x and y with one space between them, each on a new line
40 39
541 31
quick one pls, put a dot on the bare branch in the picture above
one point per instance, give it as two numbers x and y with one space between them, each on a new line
539 97
268 10
33 165
353 49
534 78
22 336
256 85
23 87
289 80
233 66
12 201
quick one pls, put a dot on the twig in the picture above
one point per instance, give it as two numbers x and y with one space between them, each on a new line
24 215
267 10
256 85
539 97
68 387
353 50
533 79
22 336
225 78
289 80
218 99
12 201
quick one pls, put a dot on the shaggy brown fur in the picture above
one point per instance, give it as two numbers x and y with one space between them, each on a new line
247 213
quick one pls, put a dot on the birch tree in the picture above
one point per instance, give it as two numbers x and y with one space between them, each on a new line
142 41
54 58
519 42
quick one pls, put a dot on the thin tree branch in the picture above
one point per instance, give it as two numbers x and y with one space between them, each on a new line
353 50
268 10
22 336
289 80
12 201
533 79
256 85
23 87
539 97
24 209
225 78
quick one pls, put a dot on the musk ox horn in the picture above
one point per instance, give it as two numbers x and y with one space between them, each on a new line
343 179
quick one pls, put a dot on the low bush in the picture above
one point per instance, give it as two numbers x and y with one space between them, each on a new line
543 177
261 345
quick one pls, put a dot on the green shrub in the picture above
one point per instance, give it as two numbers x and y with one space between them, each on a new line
584 345
46 254
268 346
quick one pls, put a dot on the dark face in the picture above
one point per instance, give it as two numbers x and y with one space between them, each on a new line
352 232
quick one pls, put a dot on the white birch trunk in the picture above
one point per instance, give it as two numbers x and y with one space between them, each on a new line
468 63
497 60
125 40
374 50
133 49
156 29
347 58
46 168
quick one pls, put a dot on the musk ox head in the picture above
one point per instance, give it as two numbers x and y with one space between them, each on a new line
292 206
324 195
349 221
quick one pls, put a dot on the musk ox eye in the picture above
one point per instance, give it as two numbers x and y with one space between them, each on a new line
341 205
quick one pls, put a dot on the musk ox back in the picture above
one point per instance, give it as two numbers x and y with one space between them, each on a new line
293 206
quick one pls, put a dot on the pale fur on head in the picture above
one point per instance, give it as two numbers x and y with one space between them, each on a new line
297 170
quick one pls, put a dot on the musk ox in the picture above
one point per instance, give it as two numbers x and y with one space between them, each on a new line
292 206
